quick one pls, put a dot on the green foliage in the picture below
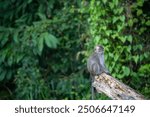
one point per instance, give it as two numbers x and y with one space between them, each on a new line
121 27
41 40
29 82
44 46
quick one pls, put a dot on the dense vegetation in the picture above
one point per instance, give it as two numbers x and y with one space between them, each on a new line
44 45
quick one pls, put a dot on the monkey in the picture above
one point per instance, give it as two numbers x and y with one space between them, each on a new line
96 65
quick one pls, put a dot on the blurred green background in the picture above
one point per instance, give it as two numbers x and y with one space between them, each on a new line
44 46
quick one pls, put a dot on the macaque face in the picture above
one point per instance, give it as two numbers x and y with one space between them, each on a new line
99 48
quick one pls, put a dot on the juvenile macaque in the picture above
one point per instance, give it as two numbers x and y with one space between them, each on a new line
96 65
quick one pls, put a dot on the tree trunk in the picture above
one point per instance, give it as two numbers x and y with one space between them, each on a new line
115 89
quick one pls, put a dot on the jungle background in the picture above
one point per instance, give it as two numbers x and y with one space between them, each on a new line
44 46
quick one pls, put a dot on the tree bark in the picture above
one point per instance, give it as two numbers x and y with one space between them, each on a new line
114 88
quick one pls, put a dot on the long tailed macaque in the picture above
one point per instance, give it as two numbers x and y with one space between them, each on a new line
96 65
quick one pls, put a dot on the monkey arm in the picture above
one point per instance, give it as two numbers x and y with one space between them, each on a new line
102 63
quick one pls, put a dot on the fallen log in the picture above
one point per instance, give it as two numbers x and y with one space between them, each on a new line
114 88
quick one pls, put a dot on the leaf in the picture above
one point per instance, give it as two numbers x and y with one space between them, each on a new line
3 55
148 23
19 58
15 36
115 19
2 74
116 2
111 5
10 61
120 10
40 45
123 39
140 2
146 55
108 33
142 29
111 55
29 1
50 40
130 23
116 57
129 38
141 57
136 58
119 28
122 18
120 76
126 71
140 47
129 48
139 12
54 40
104 1
144 69
22 19
41 16
4 39
105 41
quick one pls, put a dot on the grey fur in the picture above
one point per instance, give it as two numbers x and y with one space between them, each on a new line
96 64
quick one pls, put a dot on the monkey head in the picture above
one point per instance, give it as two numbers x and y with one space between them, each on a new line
99 49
